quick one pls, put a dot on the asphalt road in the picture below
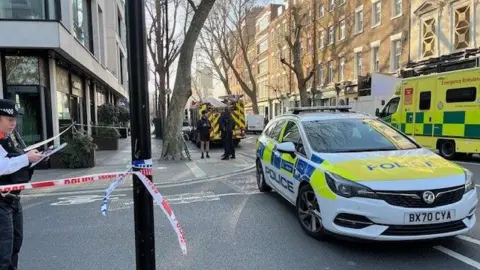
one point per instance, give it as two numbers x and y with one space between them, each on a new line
228 225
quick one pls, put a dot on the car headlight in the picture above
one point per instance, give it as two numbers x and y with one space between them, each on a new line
347 188
469 184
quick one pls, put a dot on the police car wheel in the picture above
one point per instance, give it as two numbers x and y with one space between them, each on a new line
262 186
308 213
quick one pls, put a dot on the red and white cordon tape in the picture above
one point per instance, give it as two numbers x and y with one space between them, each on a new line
149 185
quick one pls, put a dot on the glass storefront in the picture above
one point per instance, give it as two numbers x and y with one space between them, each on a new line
29 9
77 99
63 93
24 80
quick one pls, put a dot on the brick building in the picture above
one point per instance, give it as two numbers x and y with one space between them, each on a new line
356 39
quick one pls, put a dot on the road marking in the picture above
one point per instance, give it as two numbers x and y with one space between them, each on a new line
84 199
197 172
458 256
469 239
468 163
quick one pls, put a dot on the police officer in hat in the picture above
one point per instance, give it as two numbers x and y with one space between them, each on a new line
14 169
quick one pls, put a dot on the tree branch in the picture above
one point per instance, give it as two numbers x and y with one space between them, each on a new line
190 2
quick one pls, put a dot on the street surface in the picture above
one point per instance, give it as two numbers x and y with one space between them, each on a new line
228 225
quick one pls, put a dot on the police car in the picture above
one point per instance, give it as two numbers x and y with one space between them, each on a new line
352 174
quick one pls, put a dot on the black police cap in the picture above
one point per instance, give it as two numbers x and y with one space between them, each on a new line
8 108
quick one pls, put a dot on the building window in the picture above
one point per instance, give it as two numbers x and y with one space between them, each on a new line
331 35
63 93
27 10
428 38
262 46
397 8
82 22
322 39
396 54
119 24
358 64
376 13
330 72
331 5
376 59
309 43
321 10
341 70
462 28
359 21
341 30
341 2
121 61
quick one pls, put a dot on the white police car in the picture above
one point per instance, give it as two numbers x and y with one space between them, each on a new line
351 174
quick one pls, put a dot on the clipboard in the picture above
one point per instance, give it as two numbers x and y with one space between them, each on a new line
48 153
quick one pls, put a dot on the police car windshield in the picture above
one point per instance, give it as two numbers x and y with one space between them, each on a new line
354 135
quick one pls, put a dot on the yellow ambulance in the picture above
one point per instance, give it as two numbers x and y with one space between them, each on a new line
440 111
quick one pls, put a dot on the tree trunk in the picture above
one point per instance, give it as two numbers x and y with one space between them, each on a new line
182 90
303 95
255 106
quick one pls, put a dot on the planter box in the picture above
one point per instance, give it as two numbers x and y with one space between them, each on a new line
123 133
56 163
106 143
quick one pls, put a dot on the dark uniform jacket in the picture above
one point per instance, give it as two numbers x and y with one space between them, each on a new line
23 175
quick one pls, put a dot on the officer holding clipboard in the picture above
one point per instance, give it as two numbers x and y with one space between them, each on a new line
14 169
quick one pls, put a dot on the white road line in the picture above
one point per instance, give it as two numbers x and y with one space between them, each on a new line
458 256
197 172
469 239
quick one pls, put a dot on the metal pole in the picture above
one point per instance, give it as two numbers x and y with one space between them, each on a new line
141 141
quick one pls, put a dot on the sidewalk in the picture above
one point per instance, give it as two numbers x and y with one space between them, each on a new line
163 171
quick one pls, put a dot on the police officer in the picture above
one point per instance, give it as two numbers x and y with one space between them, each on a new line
14 169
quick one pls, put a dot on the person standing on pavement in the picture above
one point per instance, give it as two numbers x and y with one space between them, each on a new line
14 169
227 124
204 126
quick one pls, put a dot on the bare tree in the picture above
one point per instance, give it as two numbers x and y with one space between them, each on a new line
300 20
182 89
228 28
212 55
163 40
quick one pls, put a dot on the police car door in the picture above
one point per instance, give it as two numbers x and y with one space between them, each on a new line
271 157
289 185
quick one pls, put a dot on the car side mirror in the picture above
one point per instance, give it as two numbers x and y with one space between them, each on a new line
286 147
377 112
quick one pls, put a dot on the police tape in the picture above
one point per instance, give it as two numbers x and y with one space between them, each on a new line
145 170
31 147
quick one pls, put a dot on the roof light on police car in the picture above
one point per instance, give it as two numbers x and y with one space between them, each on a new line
346 188
469 184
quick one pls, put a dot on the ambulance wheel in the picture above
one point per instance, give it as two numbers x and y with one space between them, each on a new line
308 213
262 186
447 149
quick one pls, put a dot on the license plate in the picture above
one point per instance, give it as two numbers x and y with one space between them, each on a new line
429 217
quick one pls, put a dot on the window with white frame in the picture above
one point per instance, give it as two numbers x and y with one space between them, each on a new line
376 59
341 69
330 72
309 43
341 30
322 39
262 46
358 21
397 8
331 4
396 54
376 13
341 2
358 64
331 35
462 28
321 10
